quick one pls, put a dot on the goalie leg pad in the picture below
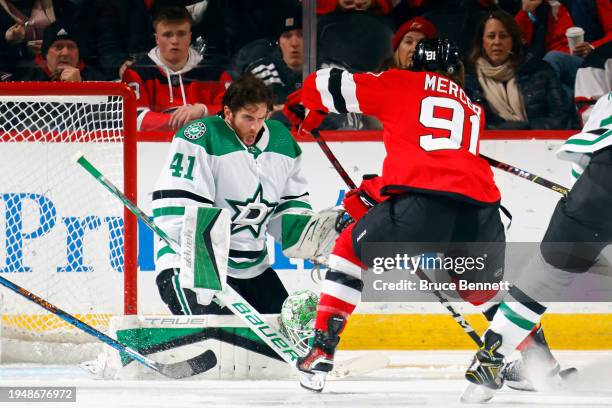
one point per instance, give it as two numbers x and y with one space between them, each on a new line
204 249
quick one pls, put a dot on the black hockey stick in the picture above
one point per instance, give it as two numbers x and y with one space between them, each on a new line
332 158
526 175
419 272
182 369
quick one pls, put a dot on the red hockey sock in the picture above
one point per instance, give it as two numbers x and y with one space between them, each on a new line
329 306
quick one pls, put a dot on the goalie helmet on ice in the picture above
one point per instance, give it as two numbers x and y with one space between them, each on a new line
297 318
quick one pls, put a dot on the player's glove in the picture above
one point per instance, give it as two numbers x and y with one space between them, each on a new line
293 109
312 121
357 203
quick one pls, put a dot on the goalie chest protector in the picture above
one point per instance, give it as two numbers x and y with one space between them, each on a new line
209 165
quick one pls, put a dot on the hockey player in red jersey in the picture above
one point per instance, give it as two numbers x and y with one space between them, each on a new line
434 187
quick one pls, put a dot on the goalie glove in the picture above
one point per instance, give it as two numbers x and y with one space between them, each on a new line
312 236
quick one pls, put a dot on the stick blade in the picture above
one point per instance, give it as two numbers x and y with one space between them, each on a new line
189 368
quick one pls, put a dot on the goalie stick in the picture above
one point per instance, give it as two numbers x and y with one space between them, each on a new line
230 298
178 370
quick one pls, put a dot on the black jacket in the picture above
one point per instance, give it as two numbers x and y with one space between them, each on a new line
544 102
41 74
275 73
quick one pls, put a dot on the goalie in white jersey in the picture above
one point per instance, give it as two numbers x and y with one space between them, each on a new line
252 167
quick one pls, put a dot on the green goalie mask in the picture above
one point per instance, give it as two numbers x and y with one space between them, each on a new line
297 318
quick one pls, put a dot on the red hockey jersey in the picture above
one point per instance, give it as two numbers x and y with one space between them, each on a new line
431 129
159 91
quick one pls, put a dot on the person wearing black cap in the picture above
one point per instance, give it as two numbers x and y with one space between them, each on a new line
60 59
282 68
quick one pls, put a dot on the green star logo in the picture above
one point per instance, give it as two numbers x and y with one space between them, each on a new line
252 213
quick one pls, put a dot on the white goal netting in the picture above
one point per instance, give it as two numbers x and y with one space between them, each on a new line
61 234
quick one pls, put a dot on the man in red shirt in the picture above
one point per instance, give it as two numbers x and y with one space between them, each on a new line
434 187
172 85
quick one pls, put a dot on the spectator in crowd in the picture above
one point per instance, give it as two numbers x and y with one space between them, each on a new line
543 24
172 84
123 34
281 70
404 42
593 80
371 6
516 93
60 59
22 24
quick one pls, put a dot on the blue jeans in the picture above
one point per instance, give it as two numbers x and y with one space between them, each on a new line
566 66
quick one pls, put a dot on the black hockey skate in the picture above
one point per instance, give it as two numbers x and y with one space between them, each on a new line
319 361
537 368
484 373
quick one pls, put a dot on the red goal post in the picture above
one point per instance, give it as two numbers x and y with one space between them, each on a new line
41 123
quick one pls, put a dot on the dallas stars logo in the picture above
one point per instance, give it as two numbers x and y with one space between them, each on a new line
251 213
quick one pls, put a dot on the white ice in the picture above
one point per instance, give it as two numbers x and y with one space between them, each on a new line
413 379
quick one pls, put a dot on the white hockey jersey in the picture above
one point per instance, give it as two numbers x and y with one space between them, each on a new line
596 135
208 165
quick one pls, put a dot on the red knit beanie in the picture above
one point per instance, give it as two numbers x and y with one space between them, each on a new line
416 24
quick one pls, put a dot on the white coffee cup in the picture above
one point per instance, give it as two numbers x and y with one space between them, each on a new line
575 36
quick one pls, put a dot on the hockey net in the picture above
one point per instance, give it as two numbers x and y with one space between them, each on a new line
63 237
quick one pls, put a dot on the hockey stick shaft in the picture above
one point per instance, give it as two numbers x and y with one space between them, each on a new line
526 175
351 184
177 370
228 296
456 315
332 158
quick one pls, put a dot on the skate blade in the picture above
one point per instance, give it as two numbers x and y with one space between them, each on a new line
476 394
314 381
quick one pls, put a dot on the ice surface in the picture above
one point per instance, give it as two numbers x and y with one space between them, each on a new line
413 379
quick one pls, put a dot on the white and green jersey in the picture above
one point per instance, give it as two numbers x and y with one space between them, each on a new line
596 135
208 165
